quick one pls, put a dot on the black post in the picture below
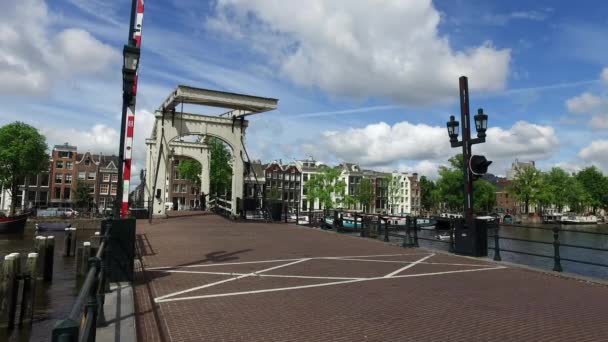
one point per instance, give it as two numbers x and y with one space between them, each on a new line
416 232
355 223
386 239
557 264
363 223
285 211
406 237
451 250
297 212
497 245
466 149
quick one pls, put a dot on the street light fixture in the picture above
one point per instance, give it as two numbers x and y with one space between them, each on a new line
129 68
453 129
481 123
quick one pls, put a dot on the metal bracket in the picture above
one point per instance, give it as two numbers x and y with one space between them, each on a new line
173 117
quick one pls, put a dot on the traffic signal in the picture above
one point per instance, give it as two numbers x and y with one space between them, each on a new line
479 165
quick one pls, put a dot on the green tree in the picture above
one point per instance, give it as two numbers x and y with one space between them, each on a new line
426 193
393 189
526 185
555 187
191 170
349 201
23 153
365 194
326 187
450 184
220 168
82 196
485 196
595 186
576 196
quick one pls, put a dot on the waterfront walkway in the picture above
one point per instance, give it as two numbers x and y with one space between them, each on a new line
205 278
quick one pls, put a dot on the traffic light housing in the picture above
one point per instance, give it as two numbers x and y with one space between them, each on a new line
479 165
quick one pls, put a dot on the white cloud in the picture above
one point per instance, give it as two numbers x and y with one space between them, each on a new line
584 103
385 48
32 55
599 122
503 19
424 147
596 153
605 75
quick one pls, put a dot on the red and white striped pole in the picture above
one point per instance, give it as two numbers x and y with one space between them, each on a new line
130 124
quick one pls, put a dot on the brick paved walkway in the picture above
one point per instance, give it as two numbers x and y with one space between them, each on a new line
199 285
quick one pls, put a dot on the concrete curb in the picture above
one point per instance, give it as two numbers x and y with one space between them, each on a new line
119 312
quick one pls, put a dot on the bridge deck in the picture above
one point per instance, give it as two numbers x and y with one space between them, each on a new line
209 279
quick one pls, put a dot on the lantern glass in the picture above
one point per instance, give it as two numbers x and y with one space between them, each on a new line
130 57
453 127
481 121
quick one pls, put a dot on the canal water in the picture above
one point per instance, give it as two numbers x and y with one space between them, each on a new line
53 300
579 238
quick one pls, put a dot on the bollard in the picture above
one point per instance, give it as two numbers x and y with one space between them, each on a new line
67 240
407 232
40 249
86 255
73 243
49 258
557 261
9 287
496 245
95 243
451 249
79 261
386 239
285 211
29 289
416 232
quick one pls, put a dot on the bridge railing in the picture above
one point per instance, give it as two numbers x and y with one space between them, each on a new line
87 312
555 243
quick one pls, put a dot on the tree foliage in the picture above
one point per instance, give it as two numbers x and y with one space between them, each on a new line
427 200
484 198
393 189
220 168
450 185
326 187
83 196
526 185
191 170
365 194
595 185
23 153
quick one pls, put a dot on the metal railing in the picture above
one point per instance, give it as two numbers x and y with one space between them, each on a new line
87 312
556 243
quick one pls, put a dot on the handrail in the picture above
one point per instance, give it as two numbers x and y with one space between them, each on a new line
89 302
557 259
547 228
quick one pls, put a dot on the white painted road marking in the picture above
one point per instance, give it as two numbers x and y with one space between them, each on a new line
230 279
408 266
161 300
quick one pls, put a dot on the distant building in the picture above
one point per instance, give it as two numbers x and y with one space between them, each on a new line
283 182
516 165
183 193
505 202
63 159
107 180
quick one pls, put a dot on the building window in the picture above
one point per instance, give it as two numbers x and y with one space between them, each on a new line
305 177
92 189
31 196
32 181
106 177
82 175
183 188
114 178
91 175
59 164
102 202
68 179
66 193
175 188
87 162
69 165
113 189
176 175
44 179
57 193
103 189
58 178
43 197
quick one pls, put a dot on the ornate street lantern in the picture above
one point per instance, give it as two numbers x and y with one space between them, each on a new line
129 67
481 123
453 129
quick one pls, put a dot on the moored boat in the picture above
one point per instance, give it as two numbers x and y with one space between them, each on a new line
52 226
13 224
579 219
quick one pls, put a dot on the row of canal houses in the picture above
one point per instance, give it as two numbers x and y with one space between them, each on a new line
286 182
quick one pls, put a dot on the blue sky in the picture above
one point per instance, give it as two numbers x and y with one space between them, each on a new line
367 82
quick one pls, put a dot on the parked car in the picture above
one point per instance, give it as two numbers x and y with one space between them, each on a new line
67 212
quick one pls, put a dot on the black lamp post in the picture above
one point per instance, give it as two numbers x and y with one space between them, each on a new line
480 164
